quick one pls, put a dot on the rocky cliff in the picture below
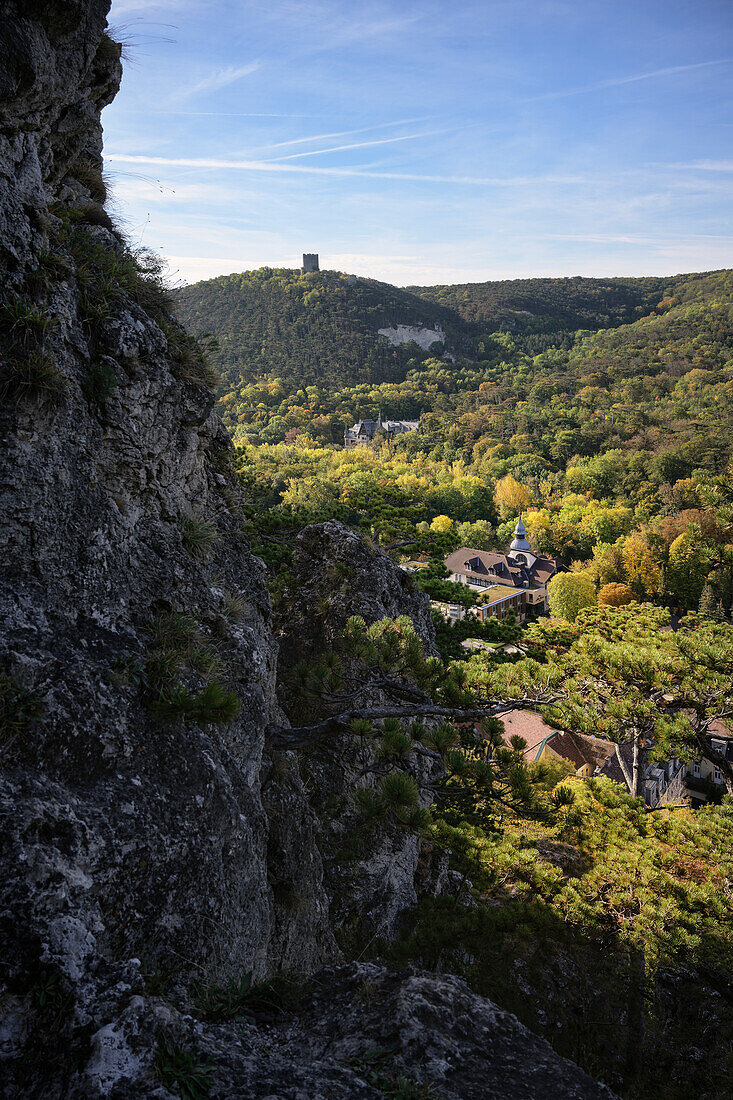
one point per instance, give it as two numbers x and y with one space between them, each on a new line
152 848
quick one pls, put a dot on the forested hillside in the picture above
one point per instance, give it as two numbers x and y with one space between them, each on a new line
531 307
651 382
322 328
316 329
616 448
611 439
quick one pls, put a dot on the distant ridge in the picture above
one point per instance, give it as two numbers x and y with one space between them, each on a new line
324 327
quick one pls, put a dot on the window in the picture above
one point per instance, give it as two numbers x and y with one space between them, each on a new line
696 769
717 776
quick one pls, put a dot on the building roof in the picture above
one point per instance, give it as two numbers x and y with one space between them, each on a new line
369 427
580 749
519 542
501 568
496 593
613 769
528 725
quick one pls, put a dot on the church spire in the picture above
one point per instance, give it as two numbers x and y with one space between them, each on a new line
519 542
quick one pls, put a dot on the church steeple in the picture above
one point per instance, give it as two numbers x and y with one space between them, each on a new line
519 542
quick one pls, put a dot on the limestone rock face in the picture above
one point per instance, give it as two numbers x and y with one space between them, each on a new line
371 879
338 575
128 845
149 850
57 71
355 1033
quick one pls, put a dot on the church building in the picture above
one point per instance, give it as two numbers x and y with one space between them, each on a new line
527 573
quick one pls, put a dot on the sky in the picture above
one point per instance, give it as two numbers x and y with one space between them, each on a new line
426 141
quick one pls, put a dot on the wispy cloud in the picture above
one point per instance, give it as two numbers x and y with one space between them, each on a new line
359 145
278 166
123 8
633 238
358 31
327 26
224 114
704 166
348 133
221 77
616 82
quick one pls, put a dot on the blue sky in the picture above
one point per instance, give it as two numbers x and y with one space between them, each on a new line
426 141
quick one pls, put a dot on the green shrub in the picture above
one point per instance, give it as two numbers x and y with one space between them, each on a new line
100 383
199 535
394 744
398 791
180 1071
212 705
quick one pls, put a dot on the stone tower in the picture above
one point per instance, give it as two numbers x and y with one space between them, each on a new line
310 262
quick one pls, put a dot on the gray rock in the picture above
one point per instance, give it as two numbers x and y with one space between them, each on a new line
137 855
357 1028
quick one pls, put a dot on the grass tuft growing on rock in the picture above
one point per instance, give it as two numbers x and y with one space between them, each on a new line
88 172
107 272
31 375
240 998
24 321
190 355
199 535
236 607
180 1071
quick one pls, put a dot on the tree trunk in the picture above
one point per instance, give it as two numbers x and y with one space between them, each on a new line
636 767
622 764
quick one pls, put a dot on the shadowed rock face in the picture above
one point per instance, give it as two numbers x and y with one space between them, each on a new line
336 575
120 838
356 1031
136 855
57 72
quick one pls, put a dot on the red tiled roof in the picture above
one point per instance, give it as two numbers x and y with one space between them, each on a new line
527 724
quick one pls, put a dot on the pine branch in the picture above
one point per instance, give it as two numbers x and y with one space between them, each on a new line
299 737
